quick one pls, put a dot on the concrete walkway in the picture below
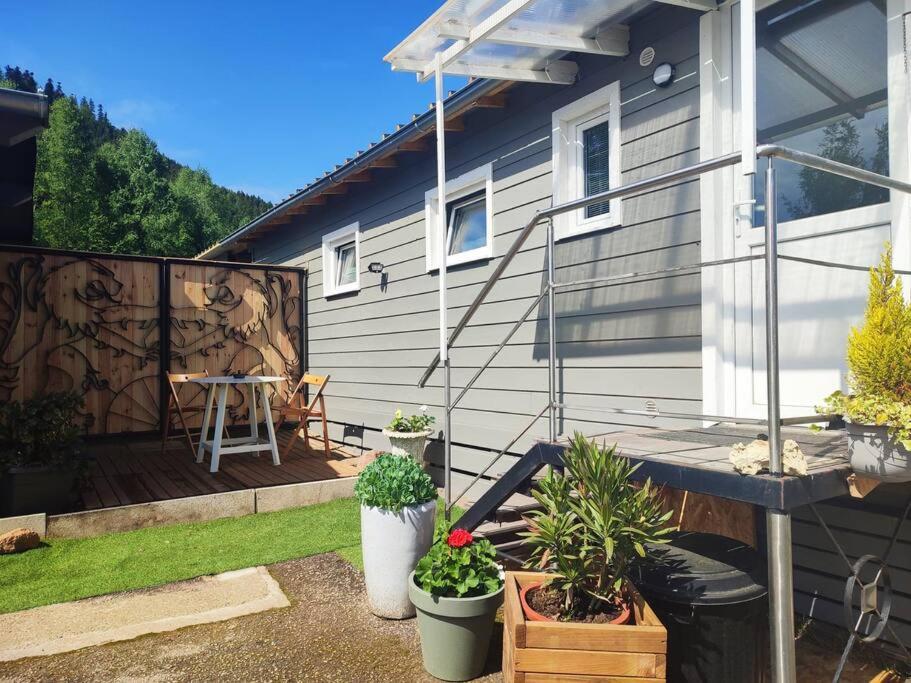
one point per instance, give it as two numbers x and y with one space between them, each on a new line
74 625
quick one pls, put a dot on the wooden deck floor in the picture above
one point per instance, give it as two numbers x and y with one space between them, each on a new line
129 471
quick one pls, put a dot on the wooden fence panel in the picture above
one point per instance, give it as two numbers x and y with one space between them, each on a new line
92 323
86 323
226 319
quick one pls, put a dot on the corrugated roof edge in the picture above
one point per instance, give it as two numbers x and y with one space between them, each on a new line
462 97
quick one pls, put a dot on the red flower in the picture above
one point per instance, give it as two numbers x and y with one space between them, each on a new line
459 538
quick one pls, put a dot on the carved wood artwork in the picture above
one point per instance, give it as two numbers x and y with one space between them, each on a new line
93 324
227 320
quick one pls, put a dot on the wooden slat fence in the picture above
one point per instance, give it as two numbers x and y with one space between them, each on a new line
92 323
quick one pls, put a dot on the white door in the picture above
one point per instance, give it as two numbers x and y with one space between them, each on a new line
821 88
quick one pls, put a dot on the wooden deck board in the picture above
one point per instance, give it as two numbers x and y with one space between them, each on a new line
131 471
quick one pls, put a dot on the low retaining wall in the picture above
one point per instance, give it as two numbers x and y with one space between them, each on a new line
183 510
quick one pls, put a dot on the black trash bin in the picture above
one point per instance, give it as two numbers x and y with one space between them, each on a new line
710 593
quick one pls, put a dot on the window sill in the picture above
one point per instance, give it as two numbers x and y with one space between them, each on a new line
482 254
345 289
571 228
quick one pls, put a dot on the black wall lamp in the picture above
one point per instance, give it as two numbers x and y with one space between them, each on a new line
375 267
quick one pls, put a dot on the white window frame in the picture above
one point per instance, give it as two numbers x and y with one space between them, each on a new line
473 182
568 125
331 242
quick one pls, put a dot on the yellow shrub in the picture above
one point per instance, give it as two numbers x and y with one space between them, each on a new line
879 352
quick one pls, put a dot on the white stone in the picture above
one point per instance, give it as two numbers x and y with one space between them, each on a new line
392 544
754 458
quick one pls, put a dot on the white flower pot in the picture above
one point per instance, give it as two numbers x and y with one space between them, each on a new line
392 544
874 454
408 443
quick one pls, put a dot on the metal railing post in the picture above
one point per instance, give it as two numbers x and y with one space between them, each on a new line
778 522
442 256
551 334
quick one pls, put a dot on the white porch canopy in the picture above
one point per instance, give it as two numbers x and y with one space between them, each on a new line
520 40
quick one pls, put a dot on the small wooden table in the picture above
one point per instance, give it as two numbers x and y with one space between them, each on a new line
245 444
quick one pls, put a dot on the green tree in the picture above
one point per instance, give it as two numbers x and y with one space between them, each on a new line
137 207
65 195
199 203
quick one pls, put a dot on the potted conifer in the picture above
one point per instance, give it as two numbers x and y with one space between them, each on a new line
408 435
456 588
877 412
593 522
398 511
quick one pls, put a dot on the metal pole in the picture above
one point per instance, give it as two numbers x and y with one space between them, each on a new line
442 249
551 334
778 522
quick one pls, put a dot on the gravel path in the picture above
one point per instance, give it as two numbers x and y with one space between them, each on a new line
327 634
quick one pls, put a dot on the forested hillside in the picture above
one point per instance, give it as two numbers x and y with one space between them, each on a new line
102 188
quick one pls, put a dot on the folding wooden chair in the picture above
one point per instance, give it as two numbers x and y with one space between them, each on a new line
296 409
176 409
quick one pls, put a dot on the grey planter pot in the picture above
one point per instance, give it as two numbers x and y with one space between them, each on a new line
873 454
455 632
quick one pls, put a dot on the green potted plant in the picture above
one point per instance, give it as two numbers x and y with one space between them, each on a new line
877 411
593 523
408 435
456 587
398 510
39 453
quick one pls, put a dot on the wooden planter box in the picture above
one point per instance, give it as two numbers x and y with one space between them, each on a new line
560 652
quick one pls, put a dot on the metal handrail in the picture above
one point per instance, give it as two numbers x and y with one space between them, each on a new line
786 153
769 151
616 193
836 167
451 504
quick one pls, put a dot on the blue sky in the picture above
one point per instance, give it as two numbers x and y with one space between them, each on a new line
266 95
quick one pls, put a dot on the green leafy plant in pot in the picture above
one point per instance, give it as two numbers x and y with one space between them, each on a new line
456 588
593 524
40 449
398 511
878 408
408 435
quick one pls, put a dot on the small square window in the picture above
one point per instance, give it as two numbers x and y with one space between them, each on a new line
341 253
469 219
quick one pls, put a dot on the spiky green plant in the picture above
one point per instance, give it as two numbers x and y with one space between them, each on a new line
879 360
593 523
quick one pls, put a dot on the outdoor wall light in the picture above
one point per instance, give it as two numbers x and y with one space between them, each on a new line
375 267
664 75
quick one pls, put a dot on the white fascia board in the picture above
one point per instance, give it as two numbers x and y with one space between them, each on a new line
611 42
560 72
703 5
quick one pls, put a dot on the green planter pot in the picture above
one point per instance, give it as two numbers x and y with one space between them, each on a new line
455 632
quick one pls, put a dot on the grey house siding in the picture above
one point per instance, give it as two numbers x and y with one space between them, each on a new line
620 345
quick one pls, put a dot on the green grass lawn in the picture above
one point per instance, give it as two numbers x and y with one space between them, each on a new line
64 570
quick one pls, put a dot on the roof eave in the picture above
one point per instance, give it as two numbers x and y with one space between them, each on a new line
422 125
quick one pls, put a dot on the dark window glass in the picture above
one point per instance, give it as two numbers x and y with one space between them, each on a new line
596 165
